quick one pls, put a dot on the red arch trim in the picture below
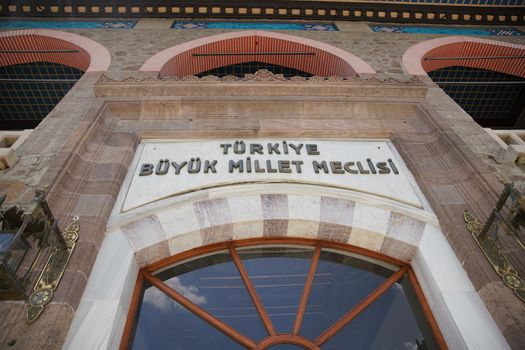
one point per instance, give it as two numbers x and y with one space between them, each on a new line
325 60
91 56
417 59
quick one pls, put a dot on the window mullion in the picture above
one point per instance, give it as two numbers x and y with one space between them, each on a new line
253 293
306 292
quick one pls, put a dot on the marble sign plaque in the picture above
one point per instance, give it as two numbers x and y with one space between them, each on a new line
164 169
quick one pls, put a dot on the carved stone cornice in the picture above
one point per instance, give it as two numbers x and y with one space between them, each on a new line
264 75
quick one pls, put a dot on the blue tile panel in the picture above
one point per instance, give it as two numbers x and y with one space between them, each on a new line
446 30
255 25
10 24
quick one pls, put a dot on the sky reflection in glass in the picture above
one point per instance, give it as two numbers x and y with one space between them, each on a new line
214 283
388 323
164 324
340 283
278 275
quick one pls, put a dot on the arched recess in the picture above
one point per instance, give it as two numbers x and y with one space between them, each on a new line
290 51
23 46
38 68
485 77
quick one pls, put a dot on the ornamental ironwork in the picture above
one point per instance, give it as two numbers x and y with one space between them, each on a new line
503 226
29 236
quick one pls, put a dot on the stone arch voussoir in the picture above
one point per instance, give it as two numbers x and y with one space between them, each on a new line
178 228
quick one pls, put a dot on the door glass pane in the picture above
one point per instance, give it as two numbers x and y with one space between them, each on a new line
164 324
340 283
388 323
214 283
278 275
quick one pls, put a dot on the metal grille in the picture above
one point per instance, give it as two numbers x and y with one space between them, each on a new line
29 91
239 70
493 99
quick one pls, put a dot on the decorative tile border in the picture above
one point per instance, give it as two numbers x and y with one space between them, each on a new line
447 30
492 12
324 27
10 24
459 2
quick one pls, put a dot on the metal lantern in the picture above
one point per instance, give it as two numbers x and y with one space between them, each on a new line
25 233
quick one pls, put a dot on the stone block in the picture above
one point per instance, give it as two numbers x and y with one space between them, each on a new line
274 206
337 211
275 228
334 232
10 141
144 233
8 157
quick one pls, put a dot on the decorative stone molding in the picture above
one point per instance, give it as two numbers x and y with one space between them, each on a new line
9 142
262 83
264 75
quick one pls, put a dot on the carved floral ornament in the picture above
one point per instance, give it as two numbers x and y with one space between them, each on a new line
264 75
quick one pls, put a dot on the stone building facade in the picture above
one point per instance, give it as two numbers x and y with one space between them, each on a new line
366 86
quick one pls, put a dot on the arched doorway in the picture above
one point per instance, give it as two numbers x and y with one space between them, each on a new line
38 68
249 48
161 234
486 78
279 294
